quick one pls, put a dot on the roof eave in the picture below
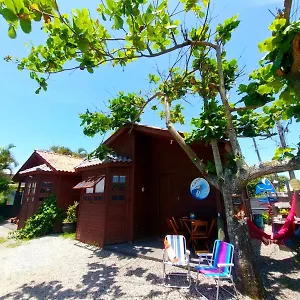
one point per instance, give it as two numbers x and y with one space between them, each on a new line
104 165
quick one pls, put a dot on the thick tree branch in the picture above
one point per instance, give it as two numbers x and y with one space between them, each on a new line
227 109
144 106
217 159
274 167
187 149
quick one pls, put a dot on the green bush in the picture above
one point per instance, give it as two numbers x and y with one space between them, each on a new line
283 211
266 218
71 213
42 222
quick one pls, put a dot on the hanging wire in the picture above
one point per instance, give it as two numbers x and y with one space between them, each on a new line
295 10
292 11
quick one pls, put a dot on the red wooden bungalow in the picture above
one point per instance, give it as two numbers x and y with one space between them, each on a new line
43 173
128 196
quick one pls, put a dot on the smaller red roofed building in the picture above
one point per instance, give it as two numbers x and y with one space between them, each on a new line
47 173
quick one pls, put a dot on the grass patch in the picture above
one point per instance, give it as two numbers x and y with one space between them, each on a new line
2 240
14 244
68 235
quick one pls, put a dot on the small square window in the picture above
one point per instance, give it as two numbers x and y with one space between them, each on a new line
87 198
118 183
98 198
118 197
115 179
99 188
89 190
46 187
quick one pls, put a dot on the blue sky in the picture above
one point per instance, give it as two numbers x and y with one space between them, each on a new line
31 121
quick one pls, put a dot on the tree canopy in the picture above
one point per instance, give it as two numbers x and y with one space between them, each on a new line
80 152
7 162
127 30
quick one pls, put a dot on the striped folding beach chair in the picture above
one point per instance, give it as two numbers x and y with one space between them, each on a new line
176 254
219 265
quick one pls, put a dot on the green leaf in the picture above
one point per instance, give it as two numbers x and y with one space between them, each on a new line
12 32
10 5
37 16
90 70
118 22
266 45
206 2
282 153
83 44
277 24
264 89
110 4
19 4
8 15
25 25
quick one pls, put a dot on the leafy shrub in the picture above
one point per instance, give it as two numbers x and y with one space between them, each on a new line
42 222
71 213
266 218
68 235
284 211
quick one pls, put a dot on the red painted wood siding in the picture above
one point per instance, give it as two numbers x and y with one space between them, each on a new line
91 222
91 215
62 187
117 222
165 171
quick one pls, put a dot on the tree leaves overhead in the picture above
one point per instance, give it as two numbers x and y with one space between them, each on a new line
124 31
224 31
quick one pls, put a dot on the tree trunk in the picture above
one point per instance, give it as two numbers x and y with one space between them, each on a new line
246 267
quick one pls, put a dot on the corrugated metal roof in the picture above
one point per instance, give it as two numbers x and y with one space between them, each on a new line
60 162
110 158
42 167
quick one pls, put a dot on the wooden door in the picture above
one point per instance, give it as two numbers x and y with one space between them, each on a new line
117 208
168 199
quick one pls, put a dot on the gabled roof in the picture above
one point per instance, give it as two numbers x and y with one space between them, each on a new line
48 161
59 162
152 130
42 167
110 158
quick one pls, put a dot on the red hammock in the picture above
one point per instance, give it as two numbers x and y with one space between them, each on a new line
285 232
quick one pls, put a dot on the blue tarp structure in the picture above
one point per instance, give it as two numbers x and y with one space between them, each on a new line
266 191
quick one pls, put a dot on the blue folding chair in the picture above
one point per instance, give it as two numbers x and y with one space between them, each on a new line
219 265
182 257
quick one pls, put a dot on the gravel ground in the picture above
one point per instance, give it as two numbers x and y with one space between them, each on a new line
280 272
55 268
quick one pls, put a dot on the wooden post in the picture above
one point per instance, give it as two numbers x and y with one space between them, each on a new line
283 144
256 150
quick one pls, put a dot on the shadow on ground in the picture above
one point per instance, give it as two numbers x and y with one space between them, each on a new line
280 275
106 280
